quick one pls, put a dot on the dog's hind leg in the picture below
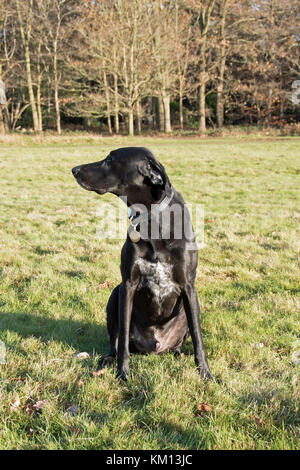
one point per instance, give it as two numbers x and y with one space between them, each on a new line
112 317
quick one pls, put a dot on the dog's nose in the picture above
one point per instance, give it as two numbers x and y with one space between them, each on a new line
76 170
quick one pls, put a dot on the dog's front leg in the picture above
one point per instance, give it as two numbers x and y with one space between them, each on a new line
126 294
191 305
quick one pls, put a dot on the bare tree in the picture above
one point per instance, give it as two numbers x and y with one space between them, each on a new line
184 55
25 20
133 36
221 61
11 69
204 19
125 59
53 16
164 41
201 17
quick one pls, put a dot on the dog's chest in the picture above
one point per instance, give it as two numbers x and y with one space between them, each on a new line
157 277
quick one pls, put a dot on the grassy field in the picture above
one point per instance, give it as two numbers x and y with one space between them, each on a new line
56 277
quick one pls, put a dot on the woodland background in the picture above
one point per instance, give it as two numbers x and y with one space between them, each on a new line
128 66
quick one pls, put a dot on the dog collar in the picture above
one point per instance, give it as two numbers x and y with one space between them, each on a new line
164 203
134 235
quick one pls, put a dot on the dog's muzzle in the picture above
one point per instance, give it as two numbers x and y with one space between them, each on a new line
75 171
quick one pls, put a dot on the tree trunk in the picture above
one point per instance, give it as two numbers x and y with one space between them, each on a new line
48 98
107 103
269 108
222 62
281 112
204 23
202 116
38 105
167 123
202 88
149 112
180 109
161 114
220 99
2 121
155 116
258 115
38 90
86 123
2 127
35 119
109 122
220 106
25 42
56 97
130 122
116 121
57 110
139 117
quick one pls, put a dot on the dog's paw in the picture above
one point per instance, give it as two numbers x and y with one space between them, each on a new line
177 352
106 361
206 374
121 376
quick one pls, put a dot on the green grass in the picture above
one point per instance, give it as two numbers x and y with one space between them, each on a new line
53 295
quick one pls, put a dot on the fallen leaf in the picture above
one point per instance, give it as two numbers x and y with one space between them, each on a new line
258 345
76 430
203 408
15 405
103 285
35 408
31 431
80 383
110 398
98 373
259 421
39 405
82 355
231 274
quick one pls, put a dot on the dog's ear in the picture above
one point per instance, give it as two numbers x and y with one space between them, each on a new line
153 172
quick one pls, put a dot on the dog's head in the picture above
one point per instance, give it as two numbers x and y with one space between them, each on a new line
129 171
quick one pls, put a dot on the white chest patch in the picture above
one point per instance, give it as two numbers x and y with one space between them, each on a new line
157 277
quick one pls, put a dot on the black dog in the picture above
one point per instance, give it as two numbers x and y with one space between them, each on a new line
155 306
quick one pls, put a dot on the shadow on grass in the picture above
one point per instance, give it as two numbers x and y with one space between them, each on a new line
286 412
168 432
166 429
76 334
183 437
